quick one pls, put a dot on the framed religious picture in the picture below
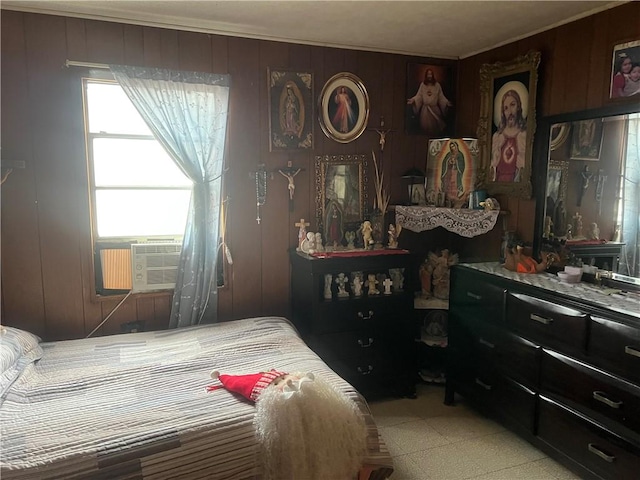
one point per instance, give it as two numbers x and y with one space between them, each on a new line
507 124
430 100
290 110
343 107
586 139
625 71
451 171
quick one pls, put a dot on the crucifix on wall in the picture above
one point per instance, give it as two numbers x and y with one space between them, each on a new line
289 172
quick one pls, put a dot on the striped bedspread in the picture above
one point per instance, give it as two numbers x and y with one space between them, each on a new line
135 405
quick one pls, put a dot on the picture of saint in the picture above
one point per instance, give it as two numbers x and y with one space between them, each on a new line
451 173
509 141
451 169
342 110
429 105
291 111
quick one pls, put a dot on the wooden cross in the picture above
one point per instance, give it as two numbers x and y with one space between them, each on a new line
302 233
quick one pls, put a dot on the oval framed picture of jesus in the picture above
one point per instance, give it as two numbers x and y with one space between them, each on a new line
343 107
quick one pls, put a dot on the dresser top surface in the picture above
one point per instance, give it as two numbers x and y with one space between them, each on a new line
626 303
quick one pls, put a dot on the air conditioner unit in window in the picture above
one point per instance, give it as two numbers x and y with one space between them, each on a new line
154 266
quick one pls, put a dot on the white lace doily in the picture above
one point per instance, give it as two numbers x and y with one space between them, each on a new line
462 221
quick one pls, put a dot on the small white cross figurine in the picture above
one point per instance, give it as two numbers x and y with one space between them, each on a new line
387 286
302 233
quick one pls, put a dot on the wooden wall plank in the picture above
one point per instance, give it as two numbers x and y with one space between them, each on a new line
244 157
105 41
53 123
274 227
22 289
194 52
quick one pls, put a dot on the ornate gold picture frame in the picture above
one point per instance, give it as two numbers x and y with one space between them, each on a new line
343 107
341 192
507 124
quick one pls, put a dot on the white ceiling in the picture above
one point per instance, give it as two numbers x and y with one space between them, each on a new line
446 29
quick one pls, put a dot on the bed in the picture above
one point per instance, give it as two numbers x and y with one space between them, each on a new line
135 405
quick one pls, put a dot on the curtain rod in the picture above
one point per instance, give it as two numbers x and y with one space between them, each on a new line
72 63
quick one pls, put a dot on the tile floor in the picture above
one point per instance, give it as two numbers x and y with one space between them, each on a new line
429 440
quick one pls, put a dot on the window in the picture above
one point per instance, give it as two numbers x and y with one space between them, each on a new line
138 193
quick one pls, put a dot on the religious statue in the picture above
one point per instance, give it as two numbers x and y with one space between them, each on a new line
319 245
441 265
594 233
327 286
371 284
341 280
397 275
426 270
393 236
356 284
577 222
367 234
350 237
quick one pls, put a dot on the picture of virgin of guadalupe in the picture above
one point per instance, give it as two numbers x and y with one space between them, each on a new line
333 230
291 111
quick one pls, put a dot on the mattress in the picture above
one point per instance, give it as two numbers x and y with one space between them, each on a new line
135 405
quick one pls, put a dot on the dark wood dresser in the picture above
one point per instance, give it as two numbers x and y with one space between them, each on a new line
557 363
366 339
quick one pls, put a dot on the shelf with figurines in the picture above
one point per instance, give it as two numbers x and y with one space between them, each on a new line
360 267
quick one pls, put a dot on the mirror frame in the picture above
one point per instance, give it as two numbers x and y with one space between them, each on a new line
322 165
542 155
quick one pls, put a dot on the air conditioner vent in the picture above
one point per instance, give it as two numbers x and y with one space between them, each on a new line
154 266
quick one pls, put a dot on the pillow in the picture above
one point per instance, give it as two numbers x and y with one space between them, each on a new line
18 349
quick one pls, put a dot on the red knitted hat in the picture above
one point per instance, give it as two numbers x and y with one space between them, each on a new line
249 386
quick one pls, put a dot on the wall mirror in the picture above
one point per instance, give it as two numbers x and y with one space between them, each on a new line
341 194
588 186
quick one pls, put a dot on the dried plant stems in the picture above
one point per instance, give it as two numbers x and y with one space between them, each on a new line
382 198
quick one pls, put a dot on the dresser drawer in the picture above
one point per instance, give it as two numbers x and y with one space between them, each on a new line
616 347
352 344
589 444
367 374
516 404
392 313
590 389
476 298
510 354
547 324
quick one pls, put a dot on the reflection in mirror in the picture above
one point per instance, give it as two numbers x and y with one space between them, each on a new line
341 182
592 190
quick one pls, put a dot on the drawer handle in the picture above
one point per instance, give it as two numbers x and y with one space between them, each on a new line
474 296
366 317
632 351
486 343
594 449
482 384
362 371
361 343
543 320
602 397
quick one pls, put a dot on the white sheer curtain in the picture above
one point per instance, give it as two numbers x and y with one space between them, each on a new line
630 259
187 112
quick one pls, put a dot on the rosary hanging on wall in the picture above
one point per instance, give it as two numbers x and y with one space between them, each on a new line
261 189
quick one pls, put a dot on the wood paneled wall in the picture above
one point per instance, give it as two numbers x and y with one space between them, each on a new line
46 247
574 75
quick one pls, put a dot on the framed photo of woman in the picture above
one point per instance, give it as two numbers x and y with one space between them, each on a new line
343 107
